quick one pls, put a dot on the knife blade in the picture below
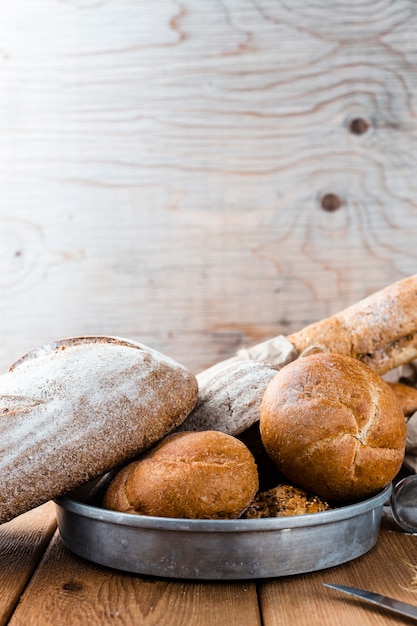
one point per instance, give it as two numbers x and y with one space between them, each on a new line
401 608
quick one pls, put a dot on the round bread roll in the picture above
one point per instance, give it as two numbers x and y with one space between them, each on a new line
333 427
197 475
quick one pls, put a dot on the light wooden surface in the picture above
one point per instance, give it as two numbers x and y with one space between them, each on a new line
55 587
201 175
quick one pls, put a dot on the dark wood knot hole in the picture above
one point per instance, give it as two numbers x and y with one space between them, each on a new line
331 202
358 126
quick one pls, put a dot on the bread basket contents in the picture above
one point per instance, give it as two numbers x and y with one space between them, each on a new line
196 475
333 427
204 475
301 430
74 409
330 426
276 496
331 430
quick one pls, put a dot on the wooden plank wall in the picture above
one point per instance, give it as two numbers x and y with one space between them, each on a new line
201 175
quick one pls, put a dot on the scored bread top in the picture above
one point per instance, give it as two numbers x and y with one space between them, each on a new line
333 426
73 409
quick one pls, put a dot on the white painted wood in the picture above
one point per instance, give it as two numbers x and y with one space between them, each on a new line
163 167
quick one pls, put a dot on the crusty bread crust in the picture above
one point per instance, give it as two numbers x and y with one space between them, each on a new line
74 409
380 330
195 475
284 500
406 396
333 427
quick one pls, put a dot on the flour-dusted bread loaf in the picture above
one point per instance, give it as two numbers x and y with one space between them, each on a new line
333 427
195 475
78 407
230 401
230 392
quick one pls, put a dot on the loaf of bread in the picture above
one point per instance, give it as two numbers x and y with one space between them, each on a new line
380 330
229 399
76 408
199 475
333 427
406 396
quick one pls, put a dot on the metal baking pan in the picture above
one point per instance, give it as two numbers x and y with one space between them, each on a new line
216 549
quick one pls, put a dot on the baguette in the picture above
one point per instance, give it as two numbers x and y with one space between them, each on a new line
380 330
74 409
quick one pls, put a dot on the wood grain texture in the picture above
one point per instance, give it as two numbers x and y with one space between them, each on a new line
22 544
201 176
389 569
68 590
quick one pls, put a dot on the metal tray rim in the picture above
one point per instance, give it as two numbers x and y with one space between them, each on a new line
71 503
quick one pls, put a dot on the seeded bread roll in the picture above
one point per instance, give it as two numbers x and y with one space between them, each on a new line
283 501
333 427
74 409
198 475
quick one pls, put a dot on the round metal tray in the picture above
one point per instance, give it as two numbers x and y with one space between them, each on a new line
216 549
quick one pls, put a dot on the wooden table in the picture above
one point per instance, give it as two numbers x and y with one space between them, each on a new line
43 583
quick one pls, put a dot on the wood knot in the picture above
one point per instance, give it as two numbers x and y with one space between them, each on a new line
358 126
331 202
